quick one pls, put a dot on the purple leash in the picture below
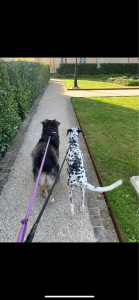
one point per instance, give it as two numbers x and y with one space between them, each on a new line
24 221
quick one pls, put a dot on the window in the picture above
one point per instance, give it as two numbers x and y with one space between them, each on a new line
63 60
82 60
124 60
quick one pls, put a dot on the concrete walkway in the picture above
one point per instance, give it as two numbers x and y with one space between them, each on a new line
102 93
56 224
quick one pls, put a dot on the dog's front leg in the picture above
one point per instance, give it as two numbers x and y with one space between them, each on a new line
71 204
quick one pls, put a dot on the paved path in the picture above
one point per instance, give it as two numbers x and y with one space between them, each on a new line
102 93
56 224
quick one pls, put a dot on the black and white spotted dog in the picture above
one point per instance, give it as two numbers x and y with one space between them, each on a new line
76 171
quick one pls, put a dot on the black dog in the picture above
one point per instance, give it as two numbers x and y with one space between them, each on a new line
51 166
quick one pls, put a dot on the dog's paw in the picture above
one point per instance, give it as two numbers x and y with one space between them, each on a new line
52 200
82 207
72 209
44 194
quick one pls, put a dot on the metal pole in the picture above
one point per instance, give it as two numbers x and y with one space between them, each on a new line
75 76
65 67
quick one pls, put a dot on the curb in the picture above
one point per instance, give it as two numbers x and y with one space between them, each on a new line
104 89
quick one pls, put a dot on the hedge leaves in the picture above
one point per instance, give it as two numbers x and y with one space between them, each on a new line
20 84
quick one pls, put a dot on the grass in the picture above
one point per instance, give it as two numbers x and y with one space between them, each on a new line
110 125
99 82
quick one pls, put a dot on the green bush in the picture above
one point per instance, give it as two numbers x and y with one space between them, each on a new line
91 69
82 69
125 81
9 117
119 68
132 82
20 84
28 79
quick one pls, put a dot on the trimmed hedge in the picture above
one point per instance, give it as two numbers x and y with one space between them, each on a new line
91 69
119 68
9 117
28 79
125 81
20 84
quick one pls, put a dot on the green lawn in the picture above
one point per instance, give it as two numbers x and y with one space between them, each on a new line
94 83
111 128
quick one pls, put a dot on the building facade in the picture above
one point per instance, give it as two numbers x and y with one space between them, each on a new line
54 62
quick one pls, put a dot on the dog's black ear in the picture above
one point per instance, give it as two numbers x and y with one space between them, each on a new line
79 130
69 130
58 123
44 122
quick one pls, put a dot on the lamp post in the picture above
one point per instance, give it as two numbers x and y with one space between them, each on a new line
75 86
65 67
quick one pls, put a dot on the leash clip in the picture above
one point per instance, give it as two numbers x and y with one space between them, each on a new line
24 221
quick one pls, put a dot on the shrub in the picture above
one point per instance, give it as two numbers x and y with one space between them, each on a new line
9 117
28 79
82 69
119 68
20 84
125 81
91 69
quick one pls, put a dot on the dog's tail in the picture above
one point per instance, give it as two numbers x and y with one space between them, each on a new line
101 189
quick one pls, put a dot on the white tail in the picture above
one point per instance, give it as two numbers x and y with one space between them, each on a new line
101 189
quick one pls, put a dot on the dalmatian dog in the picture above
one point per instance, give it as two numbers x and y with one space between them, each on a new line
76 171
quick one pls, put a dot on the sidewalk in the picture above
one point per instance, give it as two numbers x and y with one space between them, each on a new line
56 224
102 93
